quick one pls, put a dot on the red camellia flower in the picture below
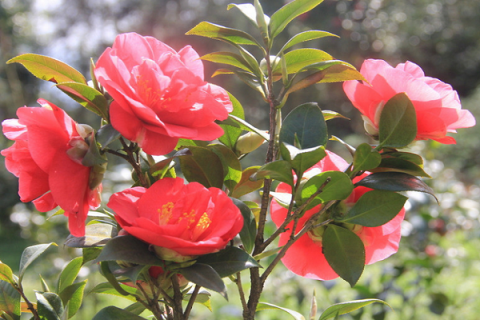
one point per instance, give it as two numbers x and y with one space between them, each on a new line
46 157
180 220
159 94
437 105
305 257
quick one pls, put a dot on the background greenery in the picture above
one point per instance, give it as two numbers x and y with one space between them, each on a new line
435 275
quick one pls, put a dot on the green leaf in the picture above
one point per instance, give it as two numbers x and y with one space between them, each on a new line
205 276
72 297
395 181
229 58
49 69
302 160
107 273
49 305
69 273
306 36
97 234
282 17
6 273
329 114
400 165
280 170
375 208
339 188
398 122
214 31
106 135
94 157
90 254
412 157
229 261
245 185
305 123
232 132
244 125
114 313
365 158
231 165
135 308
249 230
298 59
202 166
346 307
262 20
345 253
107 288
9 300
87 96
129 249
248 11
267 306
29 255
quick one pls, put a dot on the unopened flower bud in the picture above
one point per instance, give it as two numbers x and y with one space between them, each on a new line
274 60
249 142
171 255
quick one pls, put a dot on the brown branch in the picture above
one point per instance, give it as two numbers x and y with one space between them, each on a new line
193 297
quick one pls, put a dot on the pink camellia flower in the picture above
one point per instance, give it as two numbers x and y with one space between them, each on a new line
305 257
159 94
437 105
181 221
46 157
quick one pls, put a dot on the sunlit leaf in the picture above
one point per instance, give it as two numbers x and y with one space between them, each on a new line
107 288
248 11
339 187
49 305
30 254
266 306
306 36
49 69
231 132
280 170
245 185
87 96
9 300
346 307
72 297
69 273
96 235
214 31
297 60
229 58
329 114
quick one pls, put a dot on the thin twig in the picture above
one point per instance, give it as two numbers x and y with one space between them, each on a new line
29 304
193 297
238 282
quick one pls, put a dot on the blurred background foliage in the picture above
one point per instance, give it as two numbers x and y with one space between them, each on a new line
435 275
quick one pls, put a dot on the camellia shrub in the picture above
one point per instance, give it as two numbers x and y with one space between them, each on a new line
185 226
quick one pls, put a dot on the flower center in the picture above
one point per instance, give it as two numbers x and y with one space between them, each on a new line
165 213
151 96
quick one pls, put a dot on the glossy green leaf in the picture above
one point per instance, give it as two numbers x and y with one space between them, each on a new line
262 20
228 58
339 187
400 165
302 159
365 158
107 273
229 261
297 60
306 125
267 306
203 167
107 288
231 165
329 115
6 273
249 230
29 255
412 157
97 234
90 254
69 273
232 132
282 17
106 135
395 181
280 170
214 31
248 127
344 252
375 208
49 69
72 297
9 300
248 11
346 307
306 36
350 149
87 96
398 122
49 305
205 276
135 308
130 249
114 313
245 185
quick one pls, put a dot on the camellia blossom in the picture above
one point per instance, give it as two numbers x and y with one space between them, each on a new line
437 105
46 157
159 94
182 221
305 257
